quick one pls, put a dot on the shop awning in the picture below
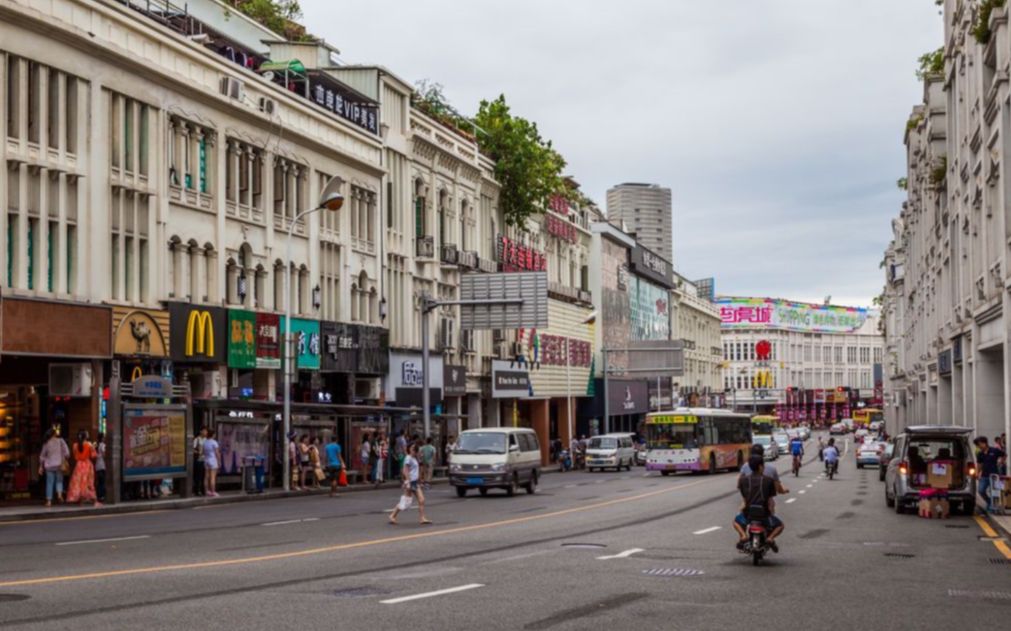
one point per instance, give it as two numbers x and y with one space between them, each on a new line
292 65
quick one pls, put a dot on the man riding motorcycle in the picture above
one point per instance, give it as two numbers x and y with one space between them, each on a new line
775 524
757 489
831 455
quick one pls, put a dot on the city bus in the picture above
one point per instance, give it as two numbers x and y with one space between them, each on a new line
863 417
763 424
696 439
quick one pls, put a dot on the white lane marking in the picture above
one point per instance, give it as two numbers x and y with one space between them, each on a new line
519 557
600 481
809 485
77 543
801 492
290 521
622 555
570 486
705 530
791 500
441 592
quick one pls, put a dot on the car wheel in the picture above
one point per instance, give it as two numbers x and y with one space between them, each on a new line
712 464
665 473
859 466
461 491
511 489
899 509
881 475
889 501
483 491
532 484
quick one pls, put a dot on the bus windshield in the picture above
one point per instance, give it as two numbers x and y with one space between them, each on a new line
671 436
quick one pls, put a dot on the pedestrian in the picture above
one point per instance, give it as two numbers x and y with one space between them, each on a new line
427 453
212 461
400 451
334 463
303 461
411 487
988 459
82 481
54 464
100 466
382 457
198 461
364 452
315 463
293 461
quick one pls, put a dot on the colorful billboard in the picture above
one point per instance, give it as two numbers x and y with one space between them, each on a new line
154 441
773 313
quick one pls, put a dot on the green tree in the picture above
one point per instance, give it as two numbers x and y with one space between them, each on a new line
527 166
981 28
280 16
931 63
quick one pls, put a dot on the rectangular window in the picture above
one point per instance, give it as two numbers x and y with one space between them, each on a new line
12 245
71 108
33 233
851 354
34 109
115 267
419 216
51 236
877 355
13 97
71 256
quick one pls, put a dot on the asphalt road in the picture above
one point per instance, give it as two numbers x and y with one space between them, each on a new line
621 550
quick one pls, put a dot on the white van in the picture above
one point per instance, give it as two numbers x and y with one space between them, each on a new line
495 458
610 450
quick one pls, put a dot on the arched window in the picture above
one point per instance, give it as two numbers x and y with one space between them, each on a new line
464 210
373 306
443 220
419 208
363 303
354 302
278 285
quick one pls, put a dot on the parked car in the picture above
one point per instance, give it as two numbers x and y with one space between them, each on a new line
920 447
869 453
495 457
782 440
610 450
805 432
769 445
837 429
885 458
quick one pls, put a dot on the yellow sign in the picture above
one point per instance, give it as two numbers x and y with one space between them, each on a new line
139 332
199 334
136 374
672 419
763 379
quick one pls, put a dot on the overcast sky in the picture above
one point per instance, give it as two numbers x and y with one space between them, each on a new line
777 123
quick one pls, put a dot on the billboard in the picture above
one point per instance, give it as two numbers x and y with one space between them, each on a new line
529 289
154 442
773 313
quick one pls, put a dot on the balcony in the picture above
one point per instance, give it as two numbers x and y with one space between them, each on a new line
558 291
424 247
468 259
448 254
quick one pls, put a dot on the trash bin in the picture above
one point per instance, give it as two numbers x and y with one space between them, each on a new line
249 474
258 467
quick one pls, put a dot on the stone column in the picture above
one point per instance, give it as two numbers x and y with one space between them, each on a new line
540 412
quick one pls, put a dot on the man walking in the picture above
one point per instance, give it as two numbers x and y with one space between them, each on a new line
427 462
988 459
334 463
365 455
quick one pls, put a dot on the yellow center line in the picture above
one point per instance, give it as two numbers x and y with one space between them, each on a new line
1001 546
340 547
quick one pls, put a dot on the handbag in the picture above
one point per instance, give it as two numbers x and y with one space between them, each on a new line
342 478
405 502
65 466
320 476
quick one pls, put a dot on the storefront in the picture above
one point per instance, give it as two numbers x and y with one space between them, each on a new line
51 367
306 375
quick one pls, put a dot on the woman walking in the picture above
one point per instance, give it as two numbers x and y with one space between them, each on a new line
82 482
382 455
411 486
212 461
52 461
314 462
303 461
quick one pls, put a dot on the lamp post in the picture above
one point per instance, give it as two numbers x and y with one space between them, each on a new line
330 199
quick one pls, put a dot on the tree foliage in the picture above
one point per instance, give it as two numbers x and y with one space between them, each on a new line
931 64
902 183
526 166
280 16
981 28
429 97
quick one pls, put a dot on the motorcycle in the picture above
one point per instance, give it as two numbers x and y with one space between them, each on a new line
758 537
831 468
565 459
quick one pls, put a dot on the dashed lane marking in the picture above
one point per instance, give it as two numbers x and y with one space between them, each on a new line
706 530
801 492
791 500
621 555
441 592
110 539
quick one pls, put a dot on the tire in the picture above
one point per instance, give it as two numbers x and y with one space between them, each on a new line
881 475
511 489
532 484
665 473
483 491
712 464
859 466
889 502
461 491
897 505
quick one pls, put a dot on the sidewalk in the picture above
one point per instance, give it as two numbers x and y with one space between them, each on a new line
38 512
1003 521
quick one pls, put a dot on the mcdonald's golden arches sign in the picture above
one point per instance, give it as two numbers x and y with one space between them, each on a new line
198 333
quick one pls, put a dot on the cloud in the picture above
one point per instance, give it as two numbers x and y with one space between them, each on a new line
778 124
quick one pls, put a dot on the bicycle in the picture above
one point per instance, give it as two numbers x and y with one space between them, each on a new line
796 465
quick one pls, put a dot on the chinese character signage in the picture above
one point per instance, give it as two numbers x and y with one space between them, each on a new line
554 348
268 340
560 228
307 342
154 442
354 348
656 268
241 339
516 257
769 313
356 110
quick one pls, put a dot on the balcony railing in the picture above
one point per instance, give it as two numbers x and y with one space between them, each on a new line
424 247
448 254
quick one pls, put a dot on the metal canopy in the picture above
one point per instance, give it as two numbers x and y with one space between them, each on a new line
513 300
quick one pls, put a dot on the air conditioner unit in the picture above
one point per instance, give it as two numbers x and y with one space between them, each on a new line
498 336
267 106
446 334
502 350
467 341
232 88
70 380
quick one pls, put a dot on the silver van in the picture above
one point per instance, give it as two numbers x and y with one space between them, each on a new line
495 458
915 450
610 450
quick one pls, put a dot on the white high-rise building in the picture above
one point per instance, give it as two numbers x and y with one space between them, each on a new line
645 211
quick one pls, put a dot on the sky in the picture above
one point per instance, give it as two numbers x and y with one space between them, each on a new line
777 124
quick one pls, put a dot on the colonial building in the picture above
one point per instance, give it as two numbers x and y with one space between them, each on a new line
802 361
946 298
696 322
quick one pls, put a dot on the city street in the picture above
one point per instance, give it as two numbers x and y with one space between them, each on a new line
626 549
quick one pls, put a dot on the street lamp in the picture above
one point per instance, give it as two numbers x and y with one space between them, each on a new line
241 286
382 309
316 297
330 199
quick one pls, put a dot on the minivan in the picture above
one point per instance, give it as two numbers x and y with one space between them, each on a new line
610 450
495 458
915 450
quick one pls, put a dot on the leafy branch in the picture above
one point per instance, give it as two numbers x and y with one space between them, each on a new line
902 183
430 99
981 28
280 16
931 64
939 172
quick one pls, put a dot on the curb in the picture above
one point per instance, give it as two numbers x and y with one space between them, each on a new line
181 503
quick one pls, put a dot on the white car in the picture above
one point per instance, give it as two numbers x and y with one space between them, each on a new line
782 440
861 434
771 448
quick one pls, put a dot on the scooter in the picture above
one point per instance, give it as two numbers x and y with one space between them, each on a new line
565 459
758 537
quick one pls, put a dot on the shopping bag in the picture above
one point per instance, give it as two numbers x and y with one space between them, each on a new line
320 476
342 478
405 502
